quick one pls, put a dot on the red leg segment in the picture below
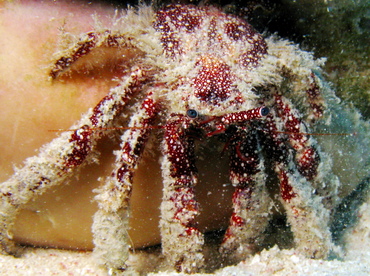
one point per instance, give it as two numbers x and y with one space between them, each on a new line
85 45
251 201
307 216
306 213
181 241
111 221
58 160
306 157
315 99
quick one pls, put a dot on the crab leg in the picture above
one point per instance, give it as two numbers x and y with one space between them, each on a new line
307 157
111 220
58 159
315 99
182 242
307 215
251 201
86 44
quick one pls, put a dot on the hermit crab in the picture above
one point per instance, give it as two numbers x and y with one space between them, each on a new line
194 73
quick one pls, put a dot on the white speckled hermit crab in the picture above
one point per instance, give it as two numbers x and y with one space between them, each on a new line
198 72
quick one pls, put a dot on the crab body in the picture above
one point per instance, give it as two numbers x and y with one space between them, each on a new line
194 72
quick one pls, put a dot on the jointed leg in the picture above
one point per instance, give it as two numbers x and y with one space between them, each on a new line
181 241
86 44
306 212
111 221
251 201
306 215
59 159
315 99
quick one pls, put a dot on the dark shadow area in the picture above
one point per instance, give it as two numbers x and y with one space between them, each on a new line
346 214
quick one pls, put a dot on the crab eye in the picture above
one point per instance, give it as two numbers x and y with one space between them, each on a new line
192 113
264 111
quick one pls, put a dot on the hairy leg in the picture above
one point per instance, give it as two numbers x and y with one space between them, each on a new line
182 242
251 201
111 221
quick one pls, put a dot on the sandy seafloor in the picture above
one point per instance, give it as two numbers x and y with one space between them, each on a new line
355 260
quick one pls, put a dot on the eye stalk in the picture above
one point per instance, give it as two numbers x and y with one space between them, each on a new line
192 113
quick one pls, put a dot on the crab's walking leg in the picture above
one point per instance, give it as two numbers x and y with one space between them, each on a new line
86 44
306 213
111 220
251 201
181 241
58 159
315 99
